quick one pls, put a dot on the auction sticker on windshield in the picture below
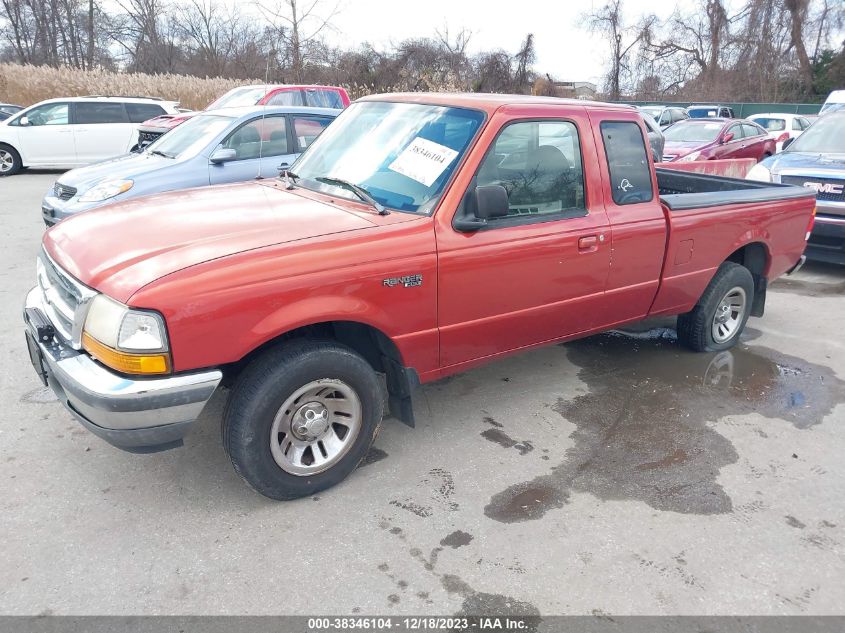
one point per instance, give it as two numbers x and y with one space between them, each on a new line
423 161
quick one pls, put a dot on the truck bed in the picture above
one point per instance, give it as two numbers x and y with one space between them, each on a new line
683 191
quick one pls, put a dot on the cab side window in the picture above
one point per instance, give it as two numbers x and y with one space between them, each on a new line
258 138
736 130
539 165
287 98
627 161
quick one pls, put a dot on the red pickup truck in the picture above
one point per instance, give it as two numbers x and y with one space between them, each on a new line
419 236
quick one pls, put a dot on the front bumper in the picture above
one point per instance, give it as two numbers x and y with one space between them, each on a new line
54 210
137 415
827 239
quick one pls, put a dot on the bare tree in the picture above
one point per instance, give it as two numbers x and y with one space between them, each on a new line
609 22
299 26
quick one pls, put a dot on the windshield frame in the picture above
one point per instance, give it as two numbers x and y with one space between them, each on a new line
432 204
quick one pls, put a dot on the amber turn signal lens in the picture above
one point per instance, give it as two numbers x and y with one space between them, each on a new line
123 362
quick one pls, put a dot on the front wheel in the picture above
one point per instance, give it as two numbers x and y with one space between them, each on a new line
717 320
10 161
301 417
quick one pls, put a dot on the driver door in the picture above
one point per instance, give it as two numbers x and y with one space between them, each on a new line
260 145
539 273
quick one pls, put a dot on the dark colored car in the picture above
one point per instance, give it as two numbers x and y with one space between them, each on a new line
816 160
656 140
710 139
7 110
710 112
277 95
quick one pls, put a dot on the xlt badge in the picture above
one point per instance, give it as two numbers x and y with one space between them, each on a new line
409 281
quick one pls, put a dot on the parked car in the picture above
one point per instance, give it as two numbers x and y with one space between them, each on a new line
710 111
781 126
73 131
418 236
708 139
816 160
282 95
655 137
835 101
8 109
665 115
218 147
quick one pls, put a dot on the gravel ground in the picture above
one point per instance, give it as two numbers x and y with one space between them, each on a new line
618 474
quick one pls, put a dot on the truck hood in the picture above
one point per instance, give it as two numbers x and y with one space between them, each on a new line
122 247
807 162
128 166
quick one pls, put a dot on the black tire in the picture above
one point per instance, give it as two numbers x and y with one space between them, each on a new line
9 152
695 328
262 389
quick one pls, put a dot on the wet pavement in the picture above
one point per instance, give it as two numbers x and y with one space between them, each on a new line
613 475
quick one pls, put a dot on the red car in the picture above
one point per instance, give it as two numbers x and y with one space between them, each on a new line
316 96
421 235
709 139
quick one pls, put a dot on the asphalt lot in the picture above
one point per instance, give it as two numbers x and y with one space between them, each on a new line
619 474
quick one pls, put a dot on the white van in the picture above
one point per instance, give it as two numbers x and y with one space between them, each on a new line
74 131
835 101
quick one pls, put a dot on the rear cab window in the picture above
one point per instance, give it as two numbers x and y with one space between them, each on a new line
627 161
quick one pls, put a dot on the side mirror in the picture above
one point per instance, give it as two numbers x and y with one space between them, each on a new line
223 155
485 203
727 138
787 143
23 121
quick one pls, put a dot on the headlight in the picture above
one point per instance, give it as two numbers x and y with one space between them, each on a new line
130 341
759 172
689 157
106 190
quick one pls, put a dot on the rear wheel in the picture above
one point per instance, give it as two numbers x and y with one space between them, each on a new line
10 160
301 417
719 317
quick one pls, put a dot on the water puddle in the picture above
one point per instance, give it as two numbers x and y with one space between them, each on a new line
642 429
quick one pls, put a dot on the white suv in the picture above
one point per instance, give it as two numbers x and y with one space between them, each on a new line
74 131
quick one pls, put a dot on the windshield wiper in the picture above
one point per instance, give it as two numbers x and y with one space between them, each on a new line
362 193
158 152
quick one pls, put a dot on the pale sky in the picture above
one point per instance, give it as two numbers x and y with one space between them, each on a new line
566 51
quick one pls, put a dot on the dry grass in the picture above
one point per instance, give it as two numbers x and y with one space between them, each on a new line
26 85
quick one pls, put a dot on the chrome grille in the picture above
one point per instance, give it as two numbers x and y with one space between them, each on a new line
65 300
63 192
827 189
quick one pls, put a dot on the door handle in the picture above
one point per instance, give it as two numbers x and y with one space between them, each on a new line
588 243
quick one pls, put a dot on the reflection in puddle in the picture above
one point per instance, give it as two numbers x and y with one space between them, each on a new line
642 430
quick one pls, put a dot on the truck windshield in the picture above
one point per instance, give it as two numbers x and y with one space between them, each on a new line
693 131
246 96
190 137
825 136
401 154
